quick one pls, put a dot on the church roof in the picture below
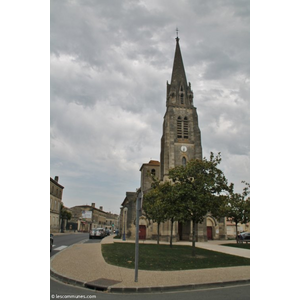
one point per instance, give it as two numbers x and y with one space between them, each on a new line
178 73
151 163
154 163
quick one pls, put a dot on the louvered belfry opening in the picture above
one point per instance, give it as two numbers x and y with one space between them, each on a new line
185 128
179 128
182 128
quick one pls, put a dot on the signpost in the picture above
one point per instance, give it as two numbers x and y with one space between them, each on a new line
138 208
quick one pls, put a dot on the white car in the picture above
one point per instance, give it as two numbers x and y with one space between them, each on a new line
97 233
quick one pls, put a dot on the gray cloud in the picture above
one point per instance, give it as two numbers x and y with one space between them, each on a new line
110 61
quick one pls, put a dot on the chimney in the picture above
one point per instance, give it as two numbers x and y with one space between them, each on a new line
56 178
93 204
101 207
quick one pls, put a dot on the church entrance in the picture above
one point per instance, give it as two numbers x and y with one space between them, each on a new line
209 232
142 232
210 225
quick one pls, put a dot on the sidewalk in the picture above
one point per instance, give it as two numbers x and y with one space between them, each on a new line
83 264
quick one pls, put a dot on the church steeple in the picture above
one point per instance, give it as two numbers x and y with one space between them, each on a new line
178 91
181 139
178 73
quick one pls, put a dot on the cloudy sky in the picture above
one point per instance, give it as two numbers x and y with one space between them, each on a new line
109 64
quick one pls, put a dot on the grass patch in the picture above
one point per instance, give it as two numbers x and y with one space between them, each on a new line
164 258
240 245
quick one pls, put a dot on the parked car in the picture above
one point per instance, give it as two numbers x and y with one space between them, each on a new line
51 241
97 233
244 237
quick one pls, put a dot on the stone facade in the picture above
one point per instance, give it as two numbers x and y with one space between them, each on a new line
86 217
231 228
147 171
56 192
128 216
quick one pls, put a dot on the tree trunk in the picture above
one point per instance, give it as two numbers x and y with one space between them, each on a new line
158 224
236 233
171 238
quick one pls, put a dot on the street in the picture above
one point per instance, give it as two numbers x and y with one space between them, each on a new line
65 240
240 292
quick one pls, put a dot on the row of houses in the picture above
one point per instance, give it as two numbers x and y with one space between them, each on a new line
84 217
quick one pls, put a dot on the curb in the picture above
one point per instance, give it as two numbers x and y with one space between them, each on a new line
65 279
187 287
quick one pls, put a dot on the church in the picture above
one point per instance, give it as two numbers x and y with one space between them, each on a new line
180 142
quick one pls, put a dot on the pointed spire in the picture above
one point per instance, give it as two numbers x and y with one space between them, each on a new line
178 73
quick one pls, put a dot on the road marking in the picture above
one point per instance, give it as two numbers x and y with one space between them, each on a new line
60 248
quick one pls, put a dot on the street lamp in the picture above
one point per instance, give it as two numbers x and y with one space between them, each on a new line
124 217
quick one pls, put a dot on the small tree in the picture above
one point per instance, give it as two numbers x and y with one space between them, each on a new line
238 207
154 207
170 194
166 193
202 189
64 215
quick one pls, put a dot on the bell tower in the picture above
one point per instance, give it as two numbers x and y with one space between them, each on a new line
181 139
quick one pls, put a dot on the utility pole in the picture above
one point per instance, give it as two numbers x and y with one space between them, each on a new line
138 208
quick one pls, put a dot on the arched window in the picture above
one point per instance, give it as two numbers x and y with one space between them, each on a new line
179 128
185 128
153 172
184 161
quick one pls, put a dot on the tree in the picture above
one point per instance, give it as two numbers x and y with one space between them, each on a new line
154 207
202 189
238 207
171 198
163 201
64 215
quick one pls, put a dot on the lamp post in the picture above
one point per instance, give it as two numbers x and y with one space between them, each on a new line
124 217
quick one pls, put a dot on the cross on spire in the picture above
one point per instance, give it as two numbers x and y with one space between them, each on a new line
177 31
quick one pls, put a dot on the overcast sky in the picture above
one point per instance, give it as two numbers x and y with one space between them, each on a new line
110 61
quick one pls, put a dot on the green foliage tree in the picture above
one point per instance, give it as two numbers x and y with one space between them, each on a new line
153 206
64 215
163 202
238 207
172 202
203 188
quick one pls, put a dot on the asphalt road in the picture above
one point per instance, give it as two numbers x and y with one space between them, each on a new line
239 292
65 240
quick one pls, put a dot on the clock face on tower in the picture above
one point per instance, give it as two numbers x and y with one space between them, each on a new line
183 148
